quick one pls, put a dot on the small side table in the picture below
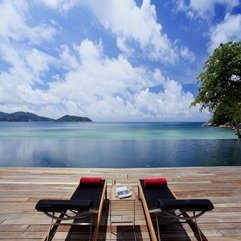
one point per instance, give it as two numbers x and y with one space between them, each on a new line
114 198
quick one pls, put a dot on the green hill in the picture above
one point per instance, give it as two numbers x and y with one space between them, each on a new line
21 116
72 118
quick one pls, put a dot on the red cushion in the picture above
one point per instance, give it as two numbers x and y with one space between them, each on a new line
155 182
90 181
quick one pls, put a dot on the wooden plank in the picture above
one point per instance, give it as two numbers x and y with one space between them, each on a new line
21 188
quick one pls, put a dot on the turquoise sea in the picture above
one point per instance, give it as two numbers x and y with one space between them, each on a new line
53 144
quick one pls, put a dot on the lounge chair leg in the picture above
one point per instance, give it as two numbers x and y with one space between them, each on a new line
199 232
90 236
50 227
158 229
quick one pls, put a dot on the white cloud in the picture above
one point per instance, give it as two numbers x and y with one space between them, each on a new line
132 23
113 89
88 82
170 105
13 24
26 65
91 73
187 54
99 87
62 5
124 47
228 30
135 28
204 9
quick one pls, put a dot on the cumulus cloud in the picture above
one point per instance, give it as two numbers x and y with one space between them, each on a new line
135 28
131 23
102 88
113 89
171 104
26 65
93 75
13 24
228 30
88 82
204 9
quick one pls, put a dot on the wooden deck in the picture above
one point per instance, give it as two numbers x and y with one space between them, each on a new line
21 188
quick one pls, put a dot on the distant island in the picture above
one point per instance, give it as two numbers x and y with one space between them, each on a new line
21 116
73 118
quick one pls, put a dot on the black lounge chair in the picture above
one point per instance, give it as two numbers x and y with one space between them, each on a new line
86 202
160 200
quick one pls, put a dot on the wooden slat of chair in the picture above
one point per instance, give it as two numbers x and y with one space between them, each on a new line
103 197
147 214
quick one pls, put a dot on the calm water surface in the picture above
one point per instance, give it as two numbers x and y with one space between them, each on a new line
51 144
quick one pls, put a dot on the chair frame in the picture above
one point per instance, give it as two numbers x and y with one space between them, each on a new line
183 216
65 216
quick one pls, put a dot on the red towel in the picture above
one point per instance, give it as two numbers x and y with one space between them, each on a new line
90 181
155 182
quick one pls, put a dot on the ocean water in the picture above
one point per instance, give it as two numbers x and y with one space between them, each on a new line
52 144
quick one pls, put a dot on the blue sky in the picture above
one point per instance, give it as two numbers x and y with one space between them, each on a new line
110 60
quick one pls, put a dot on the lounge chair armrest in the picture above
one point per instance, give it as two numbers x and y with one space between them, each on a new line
53 205
186 204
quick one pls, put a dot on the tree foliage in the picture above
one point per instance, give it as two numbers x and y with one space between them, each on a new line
220 84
